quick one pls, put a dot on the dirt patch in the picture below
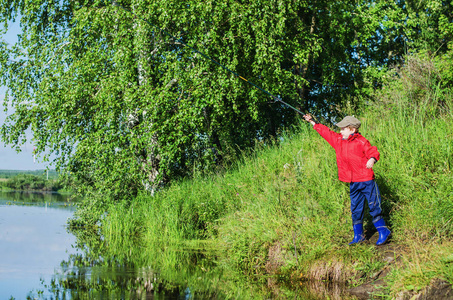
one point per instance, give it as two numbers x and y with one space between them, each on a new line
274 263
275 259
325 280
333 271
328 290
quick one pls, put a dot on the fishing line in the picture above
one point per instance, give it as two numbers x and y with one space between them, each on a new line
276 98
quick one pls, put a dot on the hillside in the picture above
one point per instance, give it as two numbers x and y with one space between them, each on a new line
282 217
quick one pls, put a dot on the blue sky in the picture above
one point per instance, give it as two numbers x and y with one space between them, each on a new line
9 158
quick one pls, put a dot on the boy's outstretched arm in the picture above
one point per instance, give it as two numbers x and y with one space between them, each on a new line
329 135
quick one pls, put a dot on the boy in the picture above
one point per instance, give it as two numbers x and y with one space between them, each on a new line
355 160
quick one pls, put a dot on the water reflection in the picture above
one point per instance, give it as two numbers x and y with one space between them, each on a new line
36 198
41 260
162 272
110 282
133 269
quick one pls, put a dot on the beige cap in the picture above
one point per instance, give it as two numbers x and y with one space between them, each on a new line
349 121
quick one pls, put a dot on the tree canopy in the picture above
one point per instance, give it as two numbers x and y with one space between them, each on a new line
124 106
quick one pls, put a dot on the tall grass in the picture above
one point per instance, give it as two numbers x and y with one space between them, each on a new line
282 210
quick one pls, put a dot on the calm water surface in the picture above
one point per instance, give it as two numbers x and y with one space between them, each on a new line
39 260
33 241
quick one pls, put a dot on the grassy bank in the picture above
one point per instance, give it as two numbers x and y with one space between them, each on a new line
281 213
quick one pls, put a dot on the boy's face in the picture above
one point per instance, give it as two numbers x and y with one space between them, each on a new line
346 132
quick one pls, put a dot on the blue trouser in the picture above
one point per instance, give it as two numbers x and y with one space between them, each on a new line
359 191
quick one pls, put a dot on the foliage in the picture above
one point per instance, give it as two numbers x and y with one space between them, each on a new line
124 106
428 25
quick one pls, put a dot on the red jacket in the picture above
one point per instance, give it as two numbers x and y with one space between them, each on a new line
352 154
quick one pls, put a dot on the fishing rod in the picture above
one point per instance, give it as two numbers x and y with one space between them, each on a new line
276 98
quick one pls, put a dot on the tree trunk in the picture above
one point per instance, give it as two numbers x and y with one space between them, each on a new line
148 157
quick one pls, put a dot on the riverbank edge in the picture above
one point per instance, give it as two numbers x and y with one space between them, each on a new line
375 286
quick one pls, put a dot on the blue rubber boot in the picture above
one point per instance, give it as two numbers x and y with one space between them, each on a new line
358 234
384 232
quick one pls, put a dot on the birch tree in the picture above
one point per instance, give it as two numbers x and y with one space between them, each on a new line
113 92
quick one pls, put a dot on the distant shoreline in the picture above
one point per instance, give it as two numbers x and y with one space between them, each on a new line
5 174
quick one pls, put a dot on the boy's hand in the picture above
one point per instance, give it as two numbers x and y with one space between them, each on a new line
370 163
309 119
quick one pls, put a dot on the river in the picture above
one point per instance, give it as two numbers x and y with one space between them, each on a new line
33 241
40 259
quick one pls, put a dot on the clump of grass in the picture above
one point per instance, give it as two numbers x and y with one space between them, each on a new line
421 265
